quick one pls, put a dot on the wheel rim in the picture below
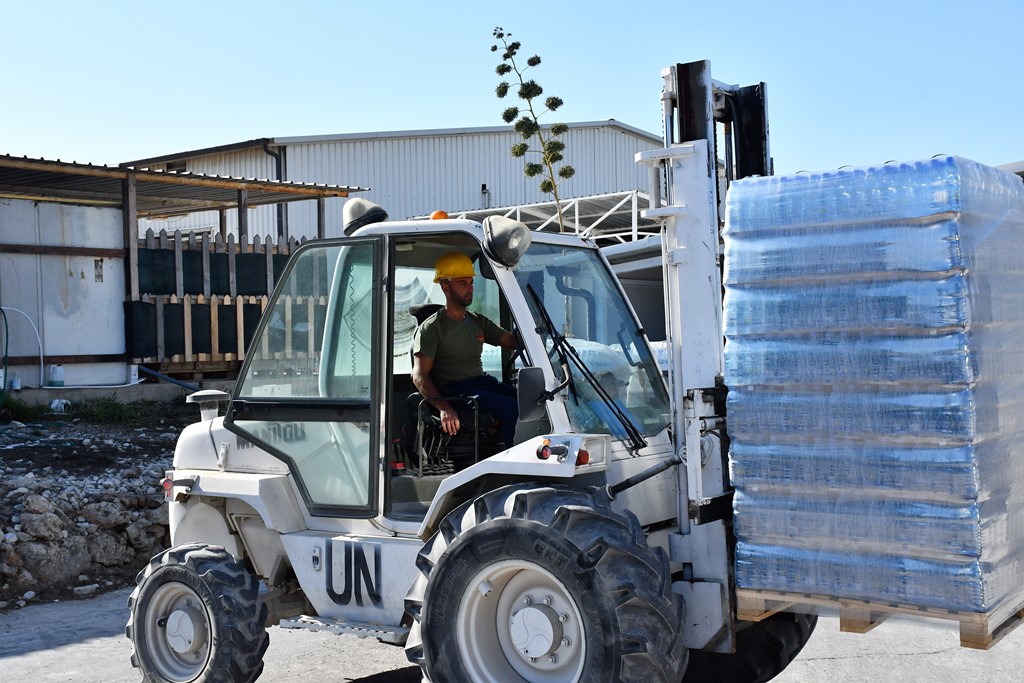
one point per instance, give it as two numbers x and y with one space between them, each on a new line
517 620
177 632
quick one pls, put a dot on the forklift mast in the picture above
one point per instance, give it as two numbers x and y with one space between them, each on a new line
713 134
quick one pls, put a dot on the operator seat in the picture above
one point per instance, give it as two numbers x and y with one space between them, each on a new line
423 311
438 452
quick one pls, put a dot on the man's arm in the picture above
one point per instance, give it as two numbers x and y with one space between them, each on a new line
494 332
421 367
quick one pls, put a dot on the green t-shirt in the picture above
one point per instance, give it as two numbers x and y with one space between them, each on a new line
455 346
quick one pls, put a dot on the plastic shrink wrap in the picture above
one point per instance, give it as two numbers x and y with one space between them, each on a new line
875 359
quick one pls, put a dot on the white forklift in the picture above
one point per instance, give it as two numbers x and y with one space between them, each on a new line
598 548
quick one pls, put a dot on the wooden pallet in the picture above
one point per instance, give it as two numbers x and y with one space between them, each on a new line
978 630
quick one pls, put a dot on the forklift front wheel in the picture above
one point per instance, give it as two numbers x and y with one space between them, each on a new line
545 584
195 615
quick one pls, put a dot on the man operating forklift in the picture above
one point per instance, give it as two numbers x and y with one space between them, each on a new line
447 349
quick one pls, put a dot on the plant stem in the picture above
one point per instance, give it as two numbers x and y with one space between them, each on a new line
540 137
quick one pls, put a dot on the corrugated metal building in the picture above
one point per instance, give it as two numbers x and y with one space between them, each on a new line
410 173
1017 168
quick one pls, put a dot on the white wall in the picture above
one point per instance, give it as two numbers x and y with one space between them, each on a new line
75 303
416 172
413 173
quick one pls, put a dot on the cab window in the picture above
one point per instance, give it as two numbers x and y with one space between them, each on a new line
307 393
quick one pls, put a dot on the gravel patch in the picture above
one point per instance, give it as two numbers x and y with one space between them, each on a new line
81 508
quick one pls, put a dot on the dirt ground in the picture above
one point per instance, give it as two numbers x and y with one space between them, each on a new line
87 441
85 454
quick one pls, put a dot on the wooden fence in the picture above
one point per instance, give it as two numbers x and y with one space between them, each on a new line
195 300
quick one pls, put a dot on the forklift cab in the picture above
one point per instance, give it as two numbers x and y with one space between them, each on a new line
326 384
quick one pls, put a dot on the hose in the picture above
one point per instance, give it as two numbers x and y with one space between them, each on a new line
166 378
7 343
39 340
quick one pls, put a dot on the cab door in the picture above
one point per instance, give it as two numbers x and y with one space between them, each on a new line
309 391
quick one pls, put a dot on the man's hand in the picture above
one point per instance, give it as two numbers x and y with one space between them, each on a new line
421 366
449 418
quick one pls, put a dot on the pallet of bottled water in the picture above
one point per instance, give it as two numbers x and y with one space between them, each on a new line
874 322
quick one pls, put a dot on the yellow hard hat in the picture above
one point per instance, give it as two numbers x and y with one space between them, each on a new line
452 265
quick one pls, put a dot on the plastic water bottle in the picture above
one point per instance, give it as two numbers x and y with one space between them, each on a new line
56 376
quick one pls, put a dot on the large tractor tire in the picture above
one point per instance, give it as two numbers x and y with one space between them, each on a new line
196 616
763 650
544 585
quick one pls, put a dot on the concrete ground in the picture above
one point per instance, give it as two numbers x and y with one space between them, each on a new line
83 641
129 393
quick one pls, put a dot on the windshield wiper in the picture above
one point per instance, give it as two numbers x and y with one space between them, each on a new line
559 342
636 438
566 351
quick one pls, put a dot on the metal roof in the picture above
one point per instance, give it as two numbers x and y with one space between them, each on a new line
219 149
350 137
440 132
158 193
607 219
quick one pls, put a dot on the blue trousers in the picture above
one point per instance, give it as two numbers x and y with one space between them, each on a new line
494 398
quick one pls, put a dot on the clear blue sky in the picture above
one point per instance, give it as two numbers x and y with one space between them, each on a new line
849 83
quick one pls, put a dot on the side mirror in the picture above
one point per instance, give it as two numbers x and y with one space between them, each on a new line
505 240
531 393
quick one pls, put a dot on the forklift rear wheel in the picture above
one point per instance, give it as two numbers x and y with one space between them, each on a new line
763 650
195 616
544 584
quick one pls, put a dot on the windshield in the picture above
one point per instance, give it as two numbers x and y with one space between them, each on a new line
585 306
